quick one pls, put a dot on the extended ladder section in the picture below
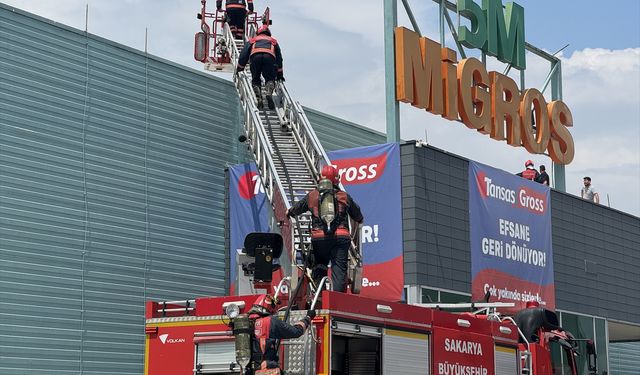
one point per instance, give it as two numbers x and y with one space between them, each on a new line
287 153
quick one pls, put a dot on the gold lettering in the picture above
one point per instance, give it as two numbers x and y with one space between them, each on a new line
505 102
450 84
561 147
534 143
473 99
418 77
427 77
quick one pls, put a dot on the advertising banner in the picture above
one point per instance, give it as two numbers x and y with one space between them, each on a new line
511 255
371 175
248 210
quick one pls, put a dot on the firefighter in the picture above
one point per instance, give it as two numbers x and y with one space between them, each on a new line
264 54
236 15
530 172
268 329
330 237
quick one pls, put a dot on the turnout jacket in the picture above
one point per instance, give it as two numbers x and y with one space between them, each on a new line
235 4
529 174
261 44
267 331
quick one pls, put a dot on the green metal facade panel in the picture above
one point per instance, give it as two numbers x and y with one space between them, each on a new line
111 193
336 134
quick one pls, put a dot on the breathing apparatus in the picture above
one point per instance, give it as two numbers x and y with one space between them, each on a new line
327 204
242 330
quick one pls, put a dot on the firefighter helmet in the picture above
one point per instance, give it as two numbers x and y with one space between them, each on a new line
528 163
532 304
265 304
264 29
331 173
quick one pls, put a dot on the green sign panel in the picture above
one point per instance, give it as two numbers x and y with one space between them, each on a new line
497 32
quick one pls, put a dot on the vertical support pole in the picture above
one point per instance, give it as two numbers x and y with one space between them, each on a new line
442 21
556 94
391 105
414 294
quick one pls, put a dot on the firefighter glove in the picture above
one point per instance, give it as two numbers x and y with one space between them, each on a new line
311 314
280 76
289 213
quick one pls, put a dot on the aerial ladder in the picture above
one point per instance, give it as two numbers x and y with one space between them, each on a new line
286 150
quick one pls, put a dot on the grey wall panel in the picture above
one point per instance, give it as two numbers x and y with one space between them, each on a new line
596 258
111 192
335 133
436 218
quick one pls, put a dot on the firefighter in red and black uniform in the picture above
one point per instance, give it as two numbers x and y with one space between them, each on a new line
330 242
236 14
266 59
530 172
268 328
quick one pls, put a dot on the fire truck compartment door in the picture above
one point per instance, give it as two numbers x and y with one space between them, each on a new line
405 353
351 329
506 360
216 357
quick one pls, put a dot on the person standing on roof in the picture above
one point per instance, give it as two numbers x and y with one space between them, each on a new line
330 238
268 329
236 15
588 192
543 178
264 54
530 172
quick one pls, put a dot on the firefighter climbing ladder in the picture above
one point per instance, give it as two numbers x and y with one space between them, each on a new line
287 153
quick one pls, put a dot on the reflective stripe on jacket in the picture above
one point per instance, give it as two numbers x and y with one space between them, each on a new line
237 4
530 174
263 44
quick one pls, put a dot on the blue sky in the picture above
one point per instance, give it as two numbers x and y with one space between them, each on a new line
582 24
334 62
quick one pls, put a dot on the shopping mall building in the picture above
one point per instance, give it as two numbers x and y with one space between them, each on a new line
112 192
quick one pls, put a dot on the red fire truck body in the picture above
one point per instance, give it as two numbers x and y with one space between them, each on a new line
350 335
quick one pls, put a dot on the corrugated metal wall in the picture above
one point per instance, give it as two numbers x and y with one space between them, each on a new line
624 358
111 192
336 134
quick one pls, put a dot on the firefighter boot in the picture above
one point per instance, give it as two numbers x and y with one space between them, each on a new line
258 91
269 87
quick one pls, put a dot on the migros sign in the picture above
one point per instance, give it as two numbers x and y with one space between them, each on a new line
430 77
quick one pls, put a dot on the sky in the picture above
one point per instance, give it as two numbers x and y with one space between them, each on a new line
334 62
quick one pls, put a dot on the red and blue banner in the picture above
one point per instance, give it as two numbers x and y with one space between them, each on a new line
371 175
248 210
510 227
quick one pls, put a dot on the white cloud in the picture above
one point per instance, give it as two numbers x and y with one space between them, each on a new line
594 74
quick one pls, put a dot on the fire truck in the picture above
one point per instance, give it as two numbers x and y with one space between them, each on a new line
361 336
350 334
